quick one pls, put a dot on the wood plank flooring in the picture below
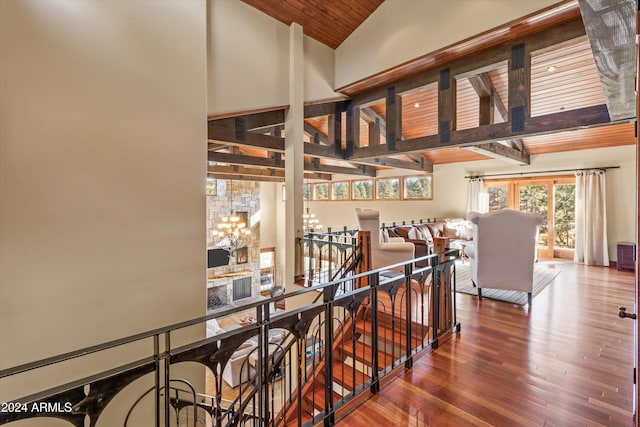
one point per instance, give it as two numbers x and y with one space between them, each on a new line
567 361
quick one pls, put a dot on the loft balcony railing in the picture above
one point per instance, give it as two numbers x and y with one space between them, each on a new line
329 255
326 354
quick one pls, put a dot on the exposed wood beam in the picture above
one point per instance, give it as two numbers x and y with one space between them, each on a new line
489 100
246 177
310 130
233 131
540 25
324 109
361 170
258 173
483 86
246 171
610 26
501 152
323 151
398 164
562 121
519 86
238 159
215 146
446 105
352 129
377 125
247 113
394 118
477 60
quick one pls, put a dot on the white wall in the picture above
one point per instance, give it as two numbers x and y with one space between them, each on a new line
450 191
248 57
102 173
319 69
402 30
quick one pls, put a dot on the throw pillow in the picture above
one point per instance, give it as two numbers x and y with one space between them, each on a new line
413 234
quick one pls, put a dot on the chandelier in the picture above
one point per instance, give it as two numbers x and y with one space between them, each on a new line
309 222
232 231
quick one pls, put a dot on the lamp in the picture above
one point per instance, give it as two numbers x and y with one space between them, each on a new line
232 231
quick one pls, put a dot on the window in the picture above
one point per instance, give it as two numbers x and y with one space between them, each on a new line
340 190
306 192
553 198
498 196
418 187
564 214
362 189
321 191
267 268
388 188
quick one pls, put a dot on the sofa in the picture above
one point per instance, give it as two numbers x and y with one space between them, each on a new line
457 230
385 252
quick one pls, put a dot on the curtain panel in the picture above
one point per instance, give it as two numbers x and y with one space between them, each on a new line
591 218
477 200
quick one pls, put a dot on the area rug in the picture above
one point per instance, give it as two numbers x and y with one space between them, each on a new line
542 277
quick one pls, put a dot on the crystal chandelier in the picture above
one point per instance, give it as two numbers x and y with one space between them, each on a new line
232 231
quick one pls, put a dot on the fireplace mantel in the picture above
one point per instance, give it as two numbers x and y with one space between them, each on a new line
231 274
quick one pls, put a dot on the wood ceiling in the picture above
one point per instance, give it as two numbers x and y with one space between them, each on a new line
328 21
562 96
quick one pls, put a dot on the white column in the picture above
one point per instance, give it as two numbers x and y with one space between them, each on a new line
294 156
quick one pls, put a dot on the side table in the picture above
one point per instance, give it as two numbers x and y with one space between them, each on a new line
626 256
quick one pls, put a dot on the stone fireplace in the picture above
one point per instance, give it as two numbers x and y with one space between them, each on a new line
245 263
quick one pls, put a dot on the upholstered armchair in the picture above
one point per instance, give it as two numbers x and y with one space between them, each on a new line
503 253
394 251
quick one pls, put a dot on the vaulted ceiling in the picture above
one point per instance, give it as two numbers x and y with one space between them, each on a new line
328 21
568 92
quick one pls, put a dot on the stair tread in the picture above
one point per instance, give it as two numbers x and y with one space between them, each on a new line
343 376
316 397
363 354
396 335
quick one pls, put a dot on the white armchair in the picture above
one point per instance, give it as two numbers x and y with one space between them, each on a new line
503 253
394 251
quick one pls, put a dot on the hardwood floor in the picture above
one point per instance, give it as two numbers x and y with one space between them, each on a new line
567 361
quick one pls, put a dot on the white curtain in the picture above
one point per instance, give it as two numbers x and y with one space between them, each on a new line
477 200
591 218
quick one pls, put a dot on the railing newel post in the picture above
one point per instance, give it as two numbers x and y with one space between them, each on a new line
374 281
408 273
167 376
156 355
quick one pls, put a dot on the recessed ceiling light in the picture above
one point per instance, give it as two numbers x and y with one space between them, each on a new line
416 105
551 69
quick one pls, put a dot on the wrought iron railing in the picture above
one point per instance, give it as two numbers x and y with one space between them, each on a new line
302 366
328 255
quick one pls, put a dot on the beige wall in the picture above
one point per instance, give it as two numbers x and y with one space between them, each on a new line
248 60
402 30
102 173
450 190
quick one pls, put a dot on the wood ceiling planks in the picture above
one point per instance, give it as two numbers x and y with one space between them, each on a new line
328 21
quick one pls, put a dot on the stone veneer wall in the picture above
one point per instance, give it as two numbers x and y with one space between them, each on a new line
242 196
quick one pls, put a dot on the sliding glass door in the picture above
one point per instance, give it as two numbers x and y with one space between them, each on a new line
553 198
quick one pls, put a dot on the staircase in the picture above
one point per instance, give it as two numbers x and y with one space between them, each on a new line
377 335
